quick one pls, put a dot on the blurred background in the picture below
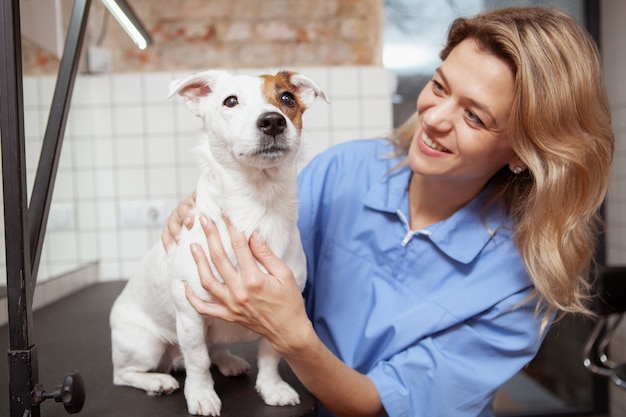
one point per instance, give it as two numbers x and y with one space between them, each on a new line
127 157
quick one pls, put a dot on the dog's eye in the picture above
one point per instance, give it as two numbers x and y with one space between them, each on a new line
288 99
231 101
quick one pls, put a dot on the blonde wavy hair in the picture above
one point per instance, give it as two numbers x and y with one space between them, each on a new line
560 128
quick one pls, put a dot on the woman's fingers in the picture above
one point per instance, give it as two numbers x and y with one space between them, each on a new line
218 307
268 259
207 308
255 292
173 228
219 258
209 282
241 248
179 217
168 236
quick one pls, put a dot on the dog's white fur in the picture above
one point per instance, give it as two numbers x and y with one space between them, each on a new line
249 176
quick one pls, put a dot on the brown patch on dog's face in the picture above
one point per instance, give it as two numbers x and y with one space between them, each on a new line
281 93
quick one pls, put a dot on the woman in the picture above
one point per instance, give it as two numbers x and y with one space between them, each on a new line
437 258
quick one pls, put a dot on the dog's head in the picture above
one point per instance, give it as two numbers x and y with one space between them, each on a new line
254 120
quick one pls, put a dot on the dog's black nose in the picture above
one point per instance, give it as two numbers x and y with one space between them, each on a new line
271 123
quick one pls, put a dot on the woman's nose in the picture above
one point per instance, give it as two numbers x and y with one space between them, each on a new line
439 117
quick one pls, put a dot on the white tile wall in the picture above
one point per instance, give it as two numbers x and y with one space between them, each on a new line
126 141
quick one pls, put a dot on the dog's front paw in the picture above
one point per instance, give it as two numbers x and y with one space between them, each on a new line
201 397
278 393
205 403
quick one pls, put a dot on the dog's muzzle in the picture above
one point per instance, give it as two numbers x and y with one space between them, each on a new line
271 123
273 144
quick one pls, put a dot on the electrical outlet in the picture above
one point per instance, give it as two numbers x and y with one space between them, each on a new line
142 213
61 217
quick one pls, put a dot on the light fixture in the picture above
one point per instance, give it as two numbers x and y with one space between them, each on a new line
126 17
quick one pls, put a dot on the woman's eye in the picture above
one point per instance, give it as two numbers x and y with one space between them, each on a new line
288 99
231 101
437 87
473 118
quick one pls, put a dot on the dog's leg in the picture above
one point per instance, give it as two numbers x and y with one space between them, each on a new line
136 352
227 363
199 391
269 384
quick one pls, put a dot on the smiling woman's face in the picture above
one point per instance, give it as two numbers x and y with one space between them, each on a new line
461 132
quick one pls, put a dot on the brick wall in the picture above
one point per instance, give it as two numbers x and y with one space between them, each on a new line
235 34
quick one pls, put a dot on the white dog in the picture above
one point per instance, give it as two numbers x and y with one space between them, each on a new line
253 129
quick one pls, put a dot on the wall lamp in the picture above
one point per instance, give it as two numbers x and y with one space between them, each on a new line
126 17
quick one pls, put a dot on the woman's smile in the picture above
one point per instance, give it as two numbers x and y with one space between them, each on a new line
426 140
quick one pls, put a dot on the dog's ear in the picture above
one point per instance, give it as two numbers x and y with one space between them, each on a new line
307 89
194 87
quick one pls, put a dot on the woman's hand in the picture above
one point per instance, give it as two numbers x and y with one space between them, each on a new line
179 217
268 303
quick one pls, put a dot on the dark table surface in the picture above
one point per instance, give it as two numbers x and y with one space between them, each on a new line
74 334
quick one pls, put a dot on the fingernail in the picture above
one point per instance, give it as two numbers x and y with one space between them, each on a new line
195 248
204 220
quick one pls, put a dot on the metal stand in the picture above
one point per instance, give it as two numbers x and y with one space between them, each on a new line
25 226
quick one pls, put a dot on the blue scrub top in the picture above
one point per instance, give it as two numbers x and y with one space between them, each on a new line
438 318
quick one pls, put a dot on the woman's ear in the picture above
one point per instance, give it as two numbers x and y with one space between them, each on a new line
517 166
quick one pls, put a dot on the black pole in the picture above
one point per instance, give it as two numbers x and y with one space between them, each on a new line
23 373
24 239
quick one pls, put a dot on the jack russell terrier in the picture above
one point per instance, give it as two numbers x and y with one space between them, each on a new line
253 127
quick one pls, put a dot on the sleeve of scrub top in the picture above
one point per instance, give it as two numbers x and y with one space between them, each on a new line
456 372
